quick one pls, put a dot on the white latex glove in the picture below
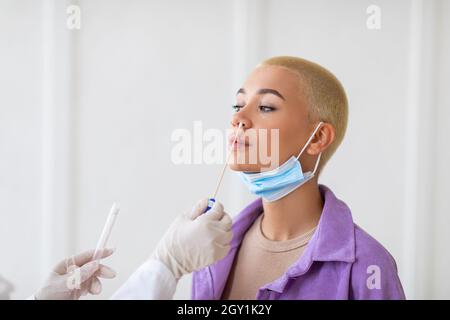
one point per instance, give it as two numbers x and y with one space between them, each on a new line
76 276
195 240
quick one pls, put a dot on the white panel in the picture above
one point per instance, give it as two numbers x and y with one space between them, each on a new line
57 136
20 143
440 219
420 132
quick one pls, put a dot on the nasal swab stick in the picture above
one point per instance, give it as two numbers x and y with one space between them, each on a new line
101 244
226 162
219 181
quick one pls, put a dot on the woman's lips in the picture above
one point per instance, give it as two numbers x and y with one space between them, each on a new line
240 142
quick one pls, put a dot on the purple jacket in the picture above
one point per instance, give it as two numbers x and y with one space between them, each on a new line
341 261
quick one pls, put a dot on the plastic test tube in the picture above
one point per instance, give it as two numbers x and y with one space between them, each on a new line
101 244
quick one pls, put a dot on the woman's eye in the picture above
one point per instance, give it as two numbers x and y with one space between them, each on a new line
237 108
266 109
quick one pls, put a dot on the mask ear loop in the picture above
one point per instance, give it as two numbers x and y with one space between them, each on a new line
317 164
309 140
307 143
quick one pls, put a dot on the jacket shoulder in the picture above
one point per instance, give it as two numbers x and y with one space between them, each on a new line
368 249
374 271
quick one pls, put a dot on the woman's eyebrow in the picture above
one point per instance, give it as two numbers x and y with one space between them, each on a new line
263 91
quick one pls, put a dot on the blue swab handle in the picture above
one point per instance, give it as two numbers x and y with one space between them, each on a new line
211 202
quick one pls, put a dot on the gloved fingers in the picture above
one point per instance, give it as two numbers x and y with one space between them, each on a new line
105 272
75 294
65 266
80 259
198 209
215 213
83 291
88 270
222 250
88 278
224 238
226 222
95 286
215 230
223 247
220 226
218 207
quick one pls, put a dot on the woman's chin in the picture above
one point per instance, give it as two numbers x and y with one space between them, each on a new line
245 167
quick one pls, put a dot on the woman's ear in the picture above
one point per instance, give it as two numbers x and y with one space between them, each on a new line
322 139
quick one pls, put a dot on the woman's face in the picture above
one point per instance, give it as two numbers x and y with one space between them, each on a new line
271 98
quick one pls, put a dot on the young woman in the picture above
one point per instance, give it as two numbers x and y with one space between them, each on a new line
298 241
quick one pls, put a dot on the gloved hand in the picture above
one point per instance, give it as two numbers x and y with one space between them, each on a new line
195 240
76 276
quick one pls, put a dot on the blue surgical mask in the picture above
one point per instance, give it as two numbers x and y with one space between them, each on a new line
275 184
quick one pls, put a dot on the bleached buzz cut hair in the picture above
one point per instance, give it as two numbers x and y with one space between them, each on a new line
325 96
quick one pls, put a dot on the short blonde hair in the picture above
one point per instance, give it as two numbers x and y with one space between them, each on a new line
325 95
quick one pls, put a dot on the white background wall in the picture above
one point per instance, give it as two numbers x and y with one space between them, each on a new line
86 118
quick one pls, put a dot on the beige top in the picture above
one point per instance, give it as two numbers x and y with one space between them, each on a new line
261 261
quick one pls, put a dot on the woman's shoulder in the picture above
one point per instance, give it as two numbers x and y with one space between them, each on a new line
367 248
374 272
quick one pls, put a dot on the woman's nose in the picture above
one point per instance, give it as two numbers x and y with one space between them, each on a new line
238 119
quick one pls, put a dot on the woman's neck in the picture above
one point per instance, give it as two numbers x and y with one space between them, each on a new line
294 214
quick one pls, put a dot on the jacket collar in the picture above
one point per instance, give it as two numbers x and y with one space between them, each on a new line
334 240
